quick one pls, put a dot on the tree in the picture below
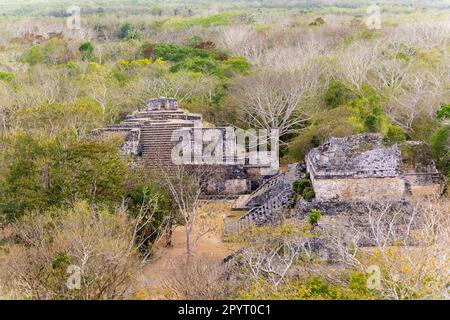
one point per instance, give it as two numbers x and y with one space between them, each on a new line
440 147
271 253
314 217
55 172
356 62
185 185
157 214
81 252
409 247
278 100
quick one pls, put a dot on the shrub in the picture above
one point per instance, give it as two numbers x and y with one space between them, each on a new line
86 49
443 112
203 65
7 76
194 41
35 55
238 64
175 53
394 135
156 209
127 32
440 142
315 141
45 261
55 172
314 217
221 19
371 123
337 94
300 185
308 194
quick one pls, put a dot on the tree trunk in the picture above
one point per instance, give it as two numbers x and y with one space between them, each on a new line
169 233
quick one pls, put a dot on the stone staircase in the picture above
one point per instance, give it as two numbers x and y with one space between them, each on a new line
268 201
156 141
155 129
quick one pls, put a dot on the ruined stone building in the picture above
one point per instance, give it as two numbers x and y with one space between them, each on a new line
361 168
148 137
348 175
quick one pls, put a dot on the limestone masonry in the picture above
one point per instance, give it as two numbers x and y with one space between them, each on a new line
360 167
147 136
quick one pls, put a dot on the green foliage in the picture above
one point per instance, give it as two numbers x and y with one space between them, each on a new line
315 141
371 123
194 41
175 53
35 55
238 64
358 283
300 185
337 122
7 76
337 94
61 261
128 32
203 65
201 60
312 288
41 173
394 135
209 21
317 287
308 194
443 112
86 50
53 51
79 117
314 217
440 148
156 210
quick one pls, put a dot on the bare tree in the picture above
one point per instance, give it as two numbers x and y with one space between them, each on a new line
181 86
420 95
185 185
200 279
278 100
81 253
356 62
272 254
409 245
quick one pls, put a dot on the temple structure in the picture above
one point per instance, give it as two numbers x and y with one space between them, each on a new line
361 168
152 135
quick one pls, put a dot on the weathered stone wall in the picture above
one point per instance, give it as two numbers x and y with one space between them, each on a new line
367 189
149 136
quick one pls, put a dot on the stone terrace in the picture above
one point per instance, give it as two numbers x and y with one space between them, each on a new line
358 156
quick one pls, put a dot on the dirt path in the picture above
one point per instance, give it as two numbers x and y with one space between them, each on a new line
209 248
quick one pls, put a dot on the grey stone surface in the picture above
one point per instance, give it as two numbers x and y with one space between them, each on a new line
148 136
360 167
